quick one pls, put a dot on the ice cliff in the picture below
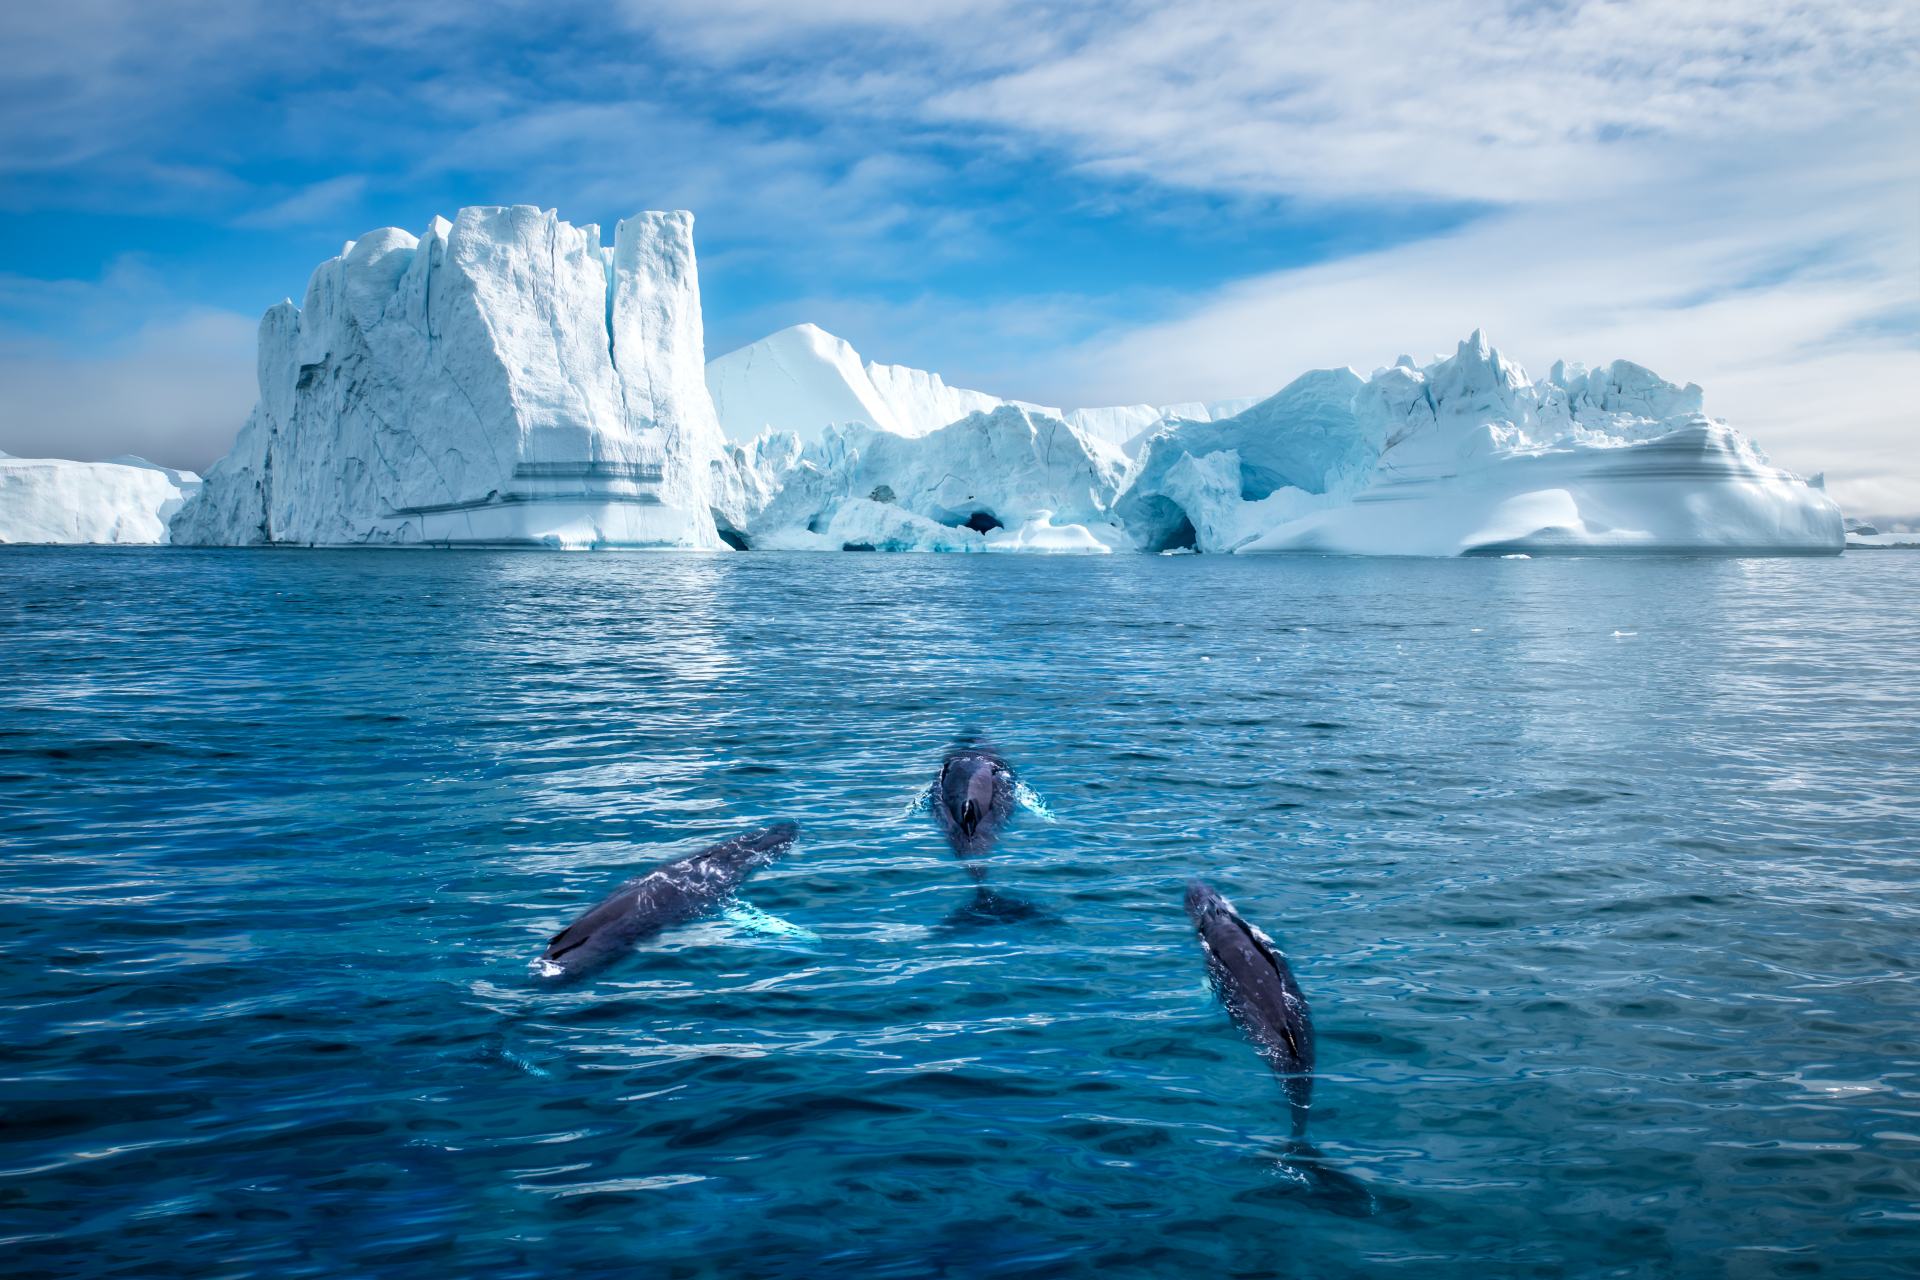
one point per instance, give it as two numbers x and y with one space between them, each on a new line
127 500
504 379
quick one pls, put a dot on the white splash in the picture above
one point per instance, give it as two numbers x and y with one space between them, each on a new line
1030 800
921 802
750 919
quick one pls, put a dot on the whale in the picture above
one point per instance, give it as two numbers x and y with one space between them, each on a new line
972 800
672 893
1250 974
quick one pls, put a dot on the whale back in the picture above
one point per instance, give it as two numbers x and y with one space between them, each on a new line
670 894
1257 986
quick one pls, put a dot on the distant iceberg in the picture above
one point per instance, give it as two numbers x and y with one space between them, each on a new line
504 379
127 501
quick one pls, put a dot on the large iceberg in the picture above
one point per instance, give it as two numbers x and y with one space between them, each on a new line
125 501
1466 456
504 379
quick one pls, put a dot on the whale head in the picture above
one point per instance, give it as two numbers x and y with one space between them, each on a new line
744 853
979 795
1202 902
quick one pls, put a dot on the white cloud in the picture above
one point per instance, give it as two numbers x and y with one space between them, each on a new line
1793 303
320 202
1720 189
1455 100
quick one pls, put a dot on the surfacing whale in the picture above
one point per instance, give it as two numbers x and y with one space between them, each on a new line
1253 980
671 894
972 800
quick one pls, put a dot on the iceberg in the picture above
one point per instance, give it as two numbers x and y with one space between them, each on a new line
502 379
127 501
1466 456
1130 425
804 380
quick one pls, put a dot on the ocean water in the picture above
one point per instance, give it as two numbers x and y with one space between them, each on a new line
1600 876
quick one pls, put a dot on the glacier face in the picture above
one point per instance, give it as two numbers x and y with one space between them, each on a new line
127 501
502 380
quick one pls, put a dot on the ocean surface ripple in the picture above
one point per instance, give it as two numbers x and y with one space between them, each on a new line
1600 876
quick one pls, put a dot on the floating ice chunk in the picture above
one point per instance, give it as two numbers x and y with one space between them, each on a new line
54 500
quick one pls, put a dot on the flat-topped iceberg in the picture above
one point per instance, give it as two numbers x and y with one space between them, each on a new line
503 379
127 501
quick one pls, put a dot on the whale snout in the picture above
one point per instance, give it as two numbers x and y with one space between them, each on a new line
970 817
780 833
1202 901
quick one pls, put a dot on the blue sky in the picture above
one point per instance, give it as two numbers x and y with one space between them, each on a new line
1065 202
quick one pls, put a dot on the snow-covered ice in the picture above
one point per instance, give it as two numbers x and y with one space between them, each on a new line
1466 456
804 380
126 501
1014 479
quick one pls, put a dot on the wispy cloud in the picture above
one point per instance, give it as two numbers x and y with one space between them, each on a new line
1721 190
326 201
1798 316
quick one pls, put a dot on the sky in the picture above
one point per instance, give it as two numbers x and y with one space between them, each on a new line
1064 202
